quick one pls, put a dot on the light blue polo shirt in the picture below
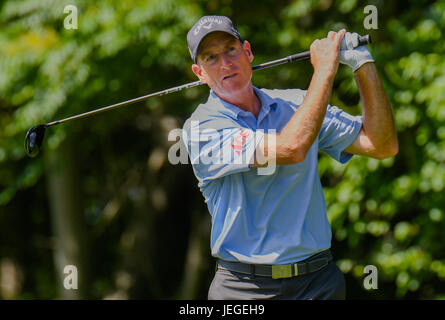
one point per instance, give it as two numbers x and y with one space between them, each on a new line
277 218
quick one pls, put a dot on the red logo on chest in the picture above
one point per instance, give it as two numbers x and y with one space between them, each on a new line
240 141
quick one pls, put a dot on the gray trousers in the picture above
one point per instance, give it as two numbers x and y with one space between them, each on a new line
327 283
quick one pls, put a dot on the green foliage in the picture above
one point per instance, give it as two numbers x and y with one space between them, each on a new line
389 213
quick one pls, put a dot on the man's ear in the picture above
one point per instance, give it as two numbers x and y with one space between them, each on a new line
248 50
199 72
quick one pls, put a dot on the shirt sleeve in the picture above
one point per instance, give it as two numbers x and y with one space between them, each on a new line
219 146
338 131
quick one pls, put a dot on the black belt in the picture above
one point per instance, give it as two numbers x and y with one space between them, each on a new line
309 265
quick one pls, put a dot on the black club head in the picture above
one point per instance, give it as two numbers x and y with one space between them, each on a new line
34 139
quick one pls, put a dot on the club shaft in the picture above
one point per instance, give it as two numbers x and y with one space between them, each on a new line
363 40
116 105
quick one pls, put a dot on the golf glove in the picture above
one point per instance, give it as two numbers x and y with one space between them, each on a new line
353 55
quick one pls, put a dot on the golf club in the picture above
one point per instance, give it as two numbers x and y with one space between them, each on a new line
34 136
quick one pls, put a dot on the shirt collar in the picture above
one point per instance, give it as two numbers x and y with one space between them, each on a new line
266 103
224 105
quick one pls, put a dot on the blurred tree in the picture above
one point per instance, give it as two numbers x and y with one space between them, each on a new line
71 245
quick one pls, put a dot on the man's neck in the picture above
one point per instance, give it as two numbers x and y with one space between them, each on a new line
246 100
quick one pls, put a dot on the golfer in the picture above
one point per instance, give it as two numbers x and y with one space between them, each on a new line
270 233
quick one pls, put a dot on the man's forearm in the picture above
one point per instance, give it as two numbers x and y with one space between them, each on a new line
302 129
378 121
293 142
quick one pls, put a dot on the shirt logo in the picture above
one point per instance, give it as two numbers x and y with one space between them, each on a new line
240 141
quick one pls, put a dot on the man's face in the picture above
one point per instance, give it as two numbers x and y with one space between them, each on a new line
224 64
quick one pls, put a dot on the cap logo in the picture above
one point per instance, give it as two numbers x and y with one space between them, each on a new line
206 23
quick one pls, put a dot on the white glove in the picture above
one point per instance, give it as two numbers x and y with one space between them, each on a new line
353 55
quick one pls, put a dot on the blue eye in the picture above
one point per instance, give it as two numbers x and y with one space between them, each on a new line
231 50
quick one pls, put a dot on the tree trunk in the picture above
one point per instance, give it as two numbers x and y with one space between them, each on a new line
69 230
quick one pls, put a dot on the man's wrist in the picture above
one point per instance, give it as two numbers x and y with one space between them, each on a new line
360 69
324 75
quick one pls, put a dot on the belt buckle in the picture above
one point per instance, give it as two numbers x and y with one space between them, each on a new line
284 271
